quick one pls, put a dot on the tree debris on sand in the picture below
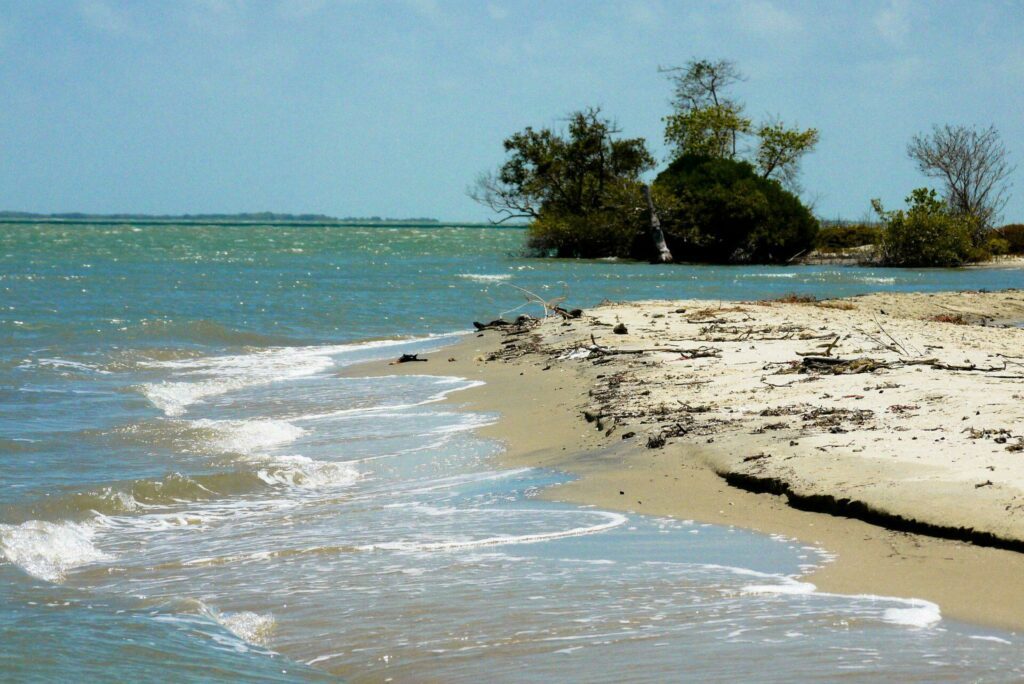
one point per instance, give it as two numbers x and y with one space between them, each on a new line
898 416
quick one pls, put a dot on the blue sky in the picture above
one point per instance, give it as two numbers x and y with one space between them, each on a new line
392 107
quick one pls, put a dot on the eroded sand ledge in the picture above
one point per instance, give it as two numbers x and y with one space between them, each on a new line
922 432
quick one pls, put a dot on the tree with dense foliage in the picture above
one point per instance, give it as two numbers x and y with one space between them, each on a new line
575 173
706 122
928 233
973 166
723 211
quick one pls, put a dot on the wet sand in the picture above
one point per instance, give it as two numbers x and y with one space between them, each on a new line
944 457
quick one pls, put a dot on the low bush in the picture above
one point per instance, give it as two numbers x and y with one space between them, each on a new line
618 229
844 236
926 233
795 298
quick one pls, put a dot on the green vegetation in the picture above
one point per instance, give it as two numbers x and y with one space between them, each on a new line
1013 234
582 193
840 236
927 233
729 192
706 122
579 188
973 168
723 211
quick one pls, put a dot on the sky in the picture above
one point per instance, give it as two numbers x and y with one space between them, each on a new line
393 107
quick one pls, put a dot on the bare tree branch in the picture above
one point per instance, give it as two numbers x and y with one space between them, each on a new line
971 163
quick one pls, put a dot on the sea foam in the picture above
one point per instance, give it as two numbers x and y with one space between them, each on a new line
49 550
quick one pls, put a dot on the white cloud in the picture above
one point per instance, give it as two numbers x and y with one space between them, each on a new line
893 22
426 8
764 18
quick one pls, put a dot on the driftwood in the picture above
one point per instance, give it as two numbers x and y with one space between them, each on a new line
830 365
501 323
828 348
662 255
496 323
935 363
407 358
567 313
695 353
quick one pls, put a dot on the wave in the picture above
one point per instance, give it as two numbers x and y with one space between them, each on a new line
613 520
484 277
203 331
919 613
217 375
17 446
247 436
908 612
248 627
49 550
64 366
307 473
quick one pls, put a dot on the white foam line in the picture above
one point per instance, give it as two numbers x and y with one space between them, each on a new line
470 478
432 399
614 520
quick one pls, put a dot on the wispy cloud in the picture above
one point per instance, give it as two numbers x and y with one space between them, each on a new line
497 12
894 21
300 9
103 17
764 18
221 17
427 8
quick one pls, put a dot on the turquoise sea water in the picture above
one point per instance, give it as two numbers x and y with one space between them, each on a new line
192 492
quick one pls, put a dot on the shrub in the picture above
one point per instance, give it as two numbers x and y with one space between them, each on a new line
1014 236
617 230
598 234
845 236
722 211
925 234
996 245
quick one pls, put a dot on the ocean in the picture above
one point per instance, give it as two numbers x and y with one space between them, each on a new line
193 490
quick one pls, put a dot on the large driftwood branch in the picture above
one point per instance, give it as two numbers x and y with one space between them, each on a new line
694 353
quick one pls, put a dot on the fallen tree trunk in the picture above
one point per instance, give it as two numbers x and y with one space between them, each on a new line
663 256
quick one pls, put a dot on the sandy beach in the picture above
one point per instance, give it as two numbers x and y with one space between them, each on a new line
885 429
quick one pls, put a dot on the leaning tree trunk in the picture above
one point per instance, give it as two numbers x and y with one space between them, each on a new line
662 255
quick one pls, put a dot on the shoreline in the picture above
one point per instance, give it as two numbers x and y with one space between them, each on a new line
541 401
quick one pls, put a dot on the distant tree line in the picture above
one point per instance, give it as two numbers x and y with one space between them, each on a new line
253 217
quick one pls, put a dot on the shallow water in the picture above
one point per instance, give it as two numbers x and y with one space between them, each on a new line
194 493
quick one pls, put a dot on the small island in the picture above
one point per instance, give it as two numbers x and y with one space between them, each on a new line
731 192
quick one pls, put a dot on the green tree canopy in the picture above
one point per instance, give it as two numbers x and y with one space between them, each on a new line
724 211
706 122
565 174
